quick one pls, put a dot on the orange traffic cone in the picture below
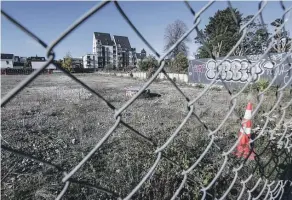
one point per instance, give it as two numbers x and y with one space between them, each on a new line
243 148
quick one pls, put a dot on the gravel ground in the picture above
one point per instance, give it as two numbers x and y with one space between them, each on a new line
57 120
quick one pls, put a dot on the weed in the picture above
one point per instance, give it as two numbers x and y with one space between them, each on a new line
215 88
261 84
200 85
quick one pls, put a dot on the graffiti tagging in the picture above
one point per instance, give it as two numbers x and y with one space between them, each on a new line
234 70
199 68
238 69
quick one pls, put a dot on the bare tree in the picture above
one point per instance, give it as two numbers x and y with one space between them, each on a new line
173 33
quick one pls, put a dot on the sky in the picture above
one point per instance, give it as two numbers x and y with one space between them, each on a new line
49 19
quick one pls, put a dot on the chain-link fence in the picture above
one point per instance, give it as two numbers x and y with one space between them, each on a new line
249 178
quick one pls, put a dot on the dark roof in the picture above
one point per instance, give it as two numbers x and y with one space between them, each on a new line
143 51
37 58
77 60
105 38
18 64
23 58
138 55
6 56
123 41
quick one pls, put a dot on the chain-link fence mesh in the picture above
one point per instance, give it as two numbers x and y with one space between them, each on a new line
232 178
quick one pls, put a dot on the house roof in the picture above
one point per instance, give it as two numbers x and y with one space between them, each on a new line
105 38
6 56
138 55
37 58
123 41
143 51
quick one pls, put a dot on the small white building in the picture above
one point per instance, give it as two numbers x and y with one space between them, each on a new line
18 62
90 61
7 60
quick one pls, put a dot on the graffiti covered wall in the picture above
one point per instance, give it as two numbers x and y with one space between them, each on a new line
237 70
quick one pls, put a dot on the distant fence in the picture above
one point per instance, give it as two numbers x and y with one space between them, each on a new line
83 70
11 71
182 78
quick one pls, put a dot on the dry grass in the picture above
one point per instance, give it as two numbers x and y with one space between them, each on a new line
56 120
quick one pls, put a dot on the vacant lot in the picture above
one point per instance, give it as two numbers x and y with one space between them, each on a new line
56 120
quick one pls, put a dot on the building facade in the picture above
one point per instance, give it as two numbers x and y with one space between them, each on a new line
7 60
18 63
77 63
113 51
124 52
90 61
103 48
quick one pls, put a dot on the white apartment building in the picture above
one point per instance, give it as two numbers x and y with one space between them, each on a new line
125 53
7 60
103 48
90 61
114 51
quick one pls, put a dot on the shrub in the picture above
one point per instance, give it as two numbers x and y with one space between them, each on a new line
215 88
148 63
180 64
200 85
67 63
261 84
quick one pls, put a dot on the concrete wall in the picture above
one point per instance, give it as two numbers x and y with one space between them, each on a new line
237 70
39 64
182 78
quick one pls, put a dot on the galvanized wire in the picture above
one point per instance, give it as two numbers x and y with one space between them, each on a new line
270 189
